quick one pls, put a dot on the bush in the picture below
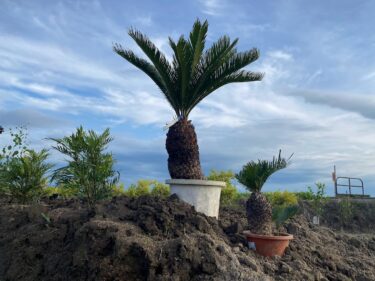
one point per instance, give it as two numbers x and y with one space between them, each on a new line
305 195
10 151
160 189
229 192
281 213
148 187
25 177
281 198
61 191
118 190
90 169
319 198
137 190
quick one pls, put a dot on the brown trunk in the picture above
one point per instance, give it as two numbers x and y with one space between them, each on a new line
183 151
259 214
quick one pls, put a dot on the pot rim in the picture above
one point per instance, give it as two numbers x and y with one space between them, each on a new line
195 182
282 236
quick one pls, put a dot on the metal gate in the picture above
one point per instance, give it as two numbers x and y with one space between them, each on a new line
358 183
348 182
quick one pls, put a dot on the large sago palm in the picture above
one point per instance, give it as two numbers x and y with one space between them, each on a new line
192 75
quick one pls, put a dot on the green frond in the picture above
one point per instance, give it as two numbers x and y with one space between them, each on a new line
148 69
193 73
158 59
197 41
254 174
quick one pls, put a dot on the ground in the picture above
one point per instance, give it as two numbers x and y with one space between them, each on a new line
151 238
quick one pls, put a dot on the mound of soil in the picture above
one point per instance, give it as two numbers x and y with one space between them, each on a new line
151 238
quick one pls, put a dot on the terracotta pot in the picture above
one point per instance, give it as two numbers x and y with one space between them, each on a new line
269 245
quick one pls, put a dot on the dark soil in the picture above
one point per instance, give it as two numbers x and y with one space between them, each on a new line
165 239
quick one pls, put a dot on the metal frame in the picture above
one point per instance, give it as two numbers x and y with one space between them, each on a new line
350 185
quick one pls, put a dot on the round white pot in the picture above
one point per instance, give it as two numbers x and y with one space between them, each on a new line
204 195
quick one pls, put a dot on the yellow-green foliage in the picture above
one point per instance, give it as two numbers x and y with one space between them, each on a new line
229 193
160 189
60 190
118 190
281 198
145 187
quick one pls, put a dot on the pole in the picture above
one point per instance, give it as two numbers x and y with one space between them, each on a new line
334 179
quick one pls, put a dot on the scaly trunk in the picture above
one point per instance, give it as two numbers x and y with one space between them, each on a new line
183 151
259 214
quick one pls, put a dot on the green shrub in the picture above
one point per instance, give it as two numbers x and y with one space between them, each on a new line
89 170
18 146
242 196
319 198
137 190
346 210
14 150
61 191
229 192
160 189
118 190
25 177
281 198
148 187
281 213
22 170
305 195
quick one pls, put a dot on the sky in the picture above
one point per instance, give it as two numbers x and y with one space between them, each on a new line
317 100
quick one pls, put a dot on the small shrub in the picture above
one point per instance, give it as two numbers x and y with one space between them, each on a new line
229 192
118 190
60 191
305 195
89 170
141 188
148 187
319 198
346 210
25 177
281 213
160 189
282 198
10 151
18 146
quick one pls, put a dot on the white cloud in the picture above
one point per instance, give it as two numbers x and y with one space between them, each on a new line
369 76
212 7
56 60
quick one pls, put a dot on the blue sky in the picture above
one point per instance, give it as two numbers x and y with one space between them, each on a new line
58 71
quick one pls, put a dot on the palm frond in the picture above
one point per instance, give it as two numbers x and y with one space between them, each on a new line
254 174
148 69
156 57
197 41
193 73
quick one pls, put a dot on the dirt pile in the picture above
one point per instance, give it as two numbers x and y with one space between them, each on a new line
127 239
317 252
165 239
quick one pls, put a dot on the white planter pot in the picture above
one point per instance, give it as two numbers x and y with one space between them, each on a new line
204 195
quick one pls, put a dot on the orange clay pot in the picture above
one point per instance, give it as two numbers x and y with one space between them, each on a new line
269 245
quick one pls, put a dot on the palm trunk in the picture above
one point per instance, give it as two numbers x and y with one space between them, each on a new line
259 214
183 151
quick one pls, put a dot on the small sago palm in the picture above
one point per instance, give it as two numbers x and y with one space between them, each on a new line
253 175
193 74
